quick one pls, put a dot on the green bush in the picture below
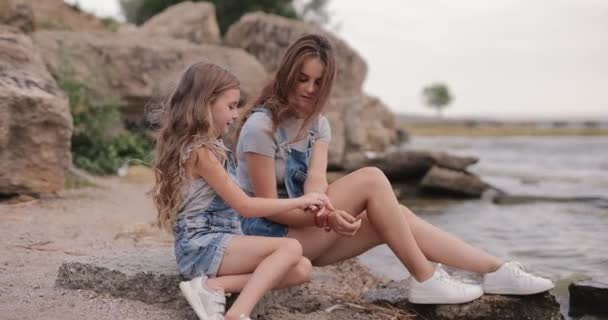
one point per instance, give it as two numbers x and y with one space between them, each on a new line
100 145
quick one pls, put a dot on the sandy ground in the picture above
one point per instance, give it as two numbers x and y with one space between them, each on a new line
38 235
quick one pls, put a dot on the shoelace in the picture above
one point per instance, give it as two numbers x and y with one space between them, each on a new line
517 270
445 277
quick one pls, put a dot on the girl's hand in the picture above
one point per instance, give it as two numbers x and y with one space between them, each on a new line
313 199
343 223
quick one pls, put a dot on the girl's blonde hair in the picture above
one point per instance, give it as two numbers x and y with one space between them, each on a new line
275 95
185 120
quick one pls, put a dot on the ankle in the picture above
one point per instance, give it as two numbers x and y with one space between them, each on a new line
494 265
233 315
424 274
213 285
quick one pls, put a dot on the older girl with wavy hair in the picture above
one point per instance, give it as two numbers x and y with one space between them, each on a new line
282 152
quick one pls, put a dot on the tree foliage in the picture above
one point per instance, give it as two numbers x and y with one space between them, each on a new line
229 11
437 96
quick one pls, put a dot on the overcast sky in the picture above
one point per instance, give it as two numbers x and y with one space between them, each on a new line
500 58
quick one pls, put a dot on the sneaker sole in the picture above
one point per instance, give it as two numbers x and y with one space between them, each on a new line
193 300
512 291
439 300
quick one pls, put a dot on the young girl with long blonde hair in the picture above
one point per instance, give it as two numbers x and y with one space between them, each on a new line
197 197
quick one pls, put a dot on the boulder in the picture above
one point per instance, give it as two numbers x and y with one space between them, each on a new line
192 21
134 69
35 120
30 15
359 123
489 307
148 275
17 14
589 297
404 165
267 36
453 182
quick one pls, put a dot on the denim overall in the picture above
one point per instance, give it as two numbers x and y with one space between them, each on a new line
296 170
202 237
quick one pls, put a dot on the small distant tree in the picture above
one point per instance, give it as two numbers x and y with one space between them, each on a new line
437 96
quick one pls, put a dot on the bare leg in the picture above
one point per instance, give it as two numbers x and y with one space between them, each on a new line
299 274
266 261
436 244
368 189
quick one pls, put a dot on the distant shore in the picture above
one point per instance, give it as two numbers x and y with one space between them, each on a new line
481 128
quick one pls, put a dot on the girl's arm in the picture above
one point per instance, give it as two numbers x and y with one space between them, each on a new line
207 166
264 182
316 180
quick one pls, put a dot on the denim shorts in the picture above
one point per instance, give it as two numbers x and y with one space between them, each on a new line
263 227
201 240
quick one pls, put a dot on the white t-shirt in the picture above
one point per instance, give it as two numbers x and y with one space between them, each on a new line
257 136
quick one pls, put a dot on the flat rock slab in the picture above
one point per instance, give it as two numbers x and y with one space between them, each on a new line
589 297
489 307
148 275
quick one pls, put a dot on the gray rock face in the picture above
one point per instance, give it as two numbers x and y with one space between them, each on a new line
488 307
359 123
403 165
457 182
192 21
267 37
589 297
148 275
17 14
35 120
134 69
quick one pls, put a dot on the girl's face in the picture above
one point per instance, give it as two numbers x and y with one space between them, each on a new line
308 83
224 110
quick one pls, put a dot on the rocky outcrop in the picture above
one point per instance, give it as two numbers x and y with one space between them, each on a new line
589 297
267 37
35 120
149 274
17 14
134 69
430 171
489 307
30 15
359 123
455 182
192 21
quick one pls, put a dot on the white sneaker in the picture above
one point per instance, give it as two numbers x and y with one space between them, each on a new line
442 289
511 278
208 304
244 317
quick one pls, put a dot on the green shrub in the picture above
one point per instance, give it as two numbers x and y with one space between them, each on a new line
100 144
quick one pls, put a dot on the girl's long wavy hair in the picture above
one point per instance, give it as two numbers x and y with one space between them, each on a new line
276 94
185 119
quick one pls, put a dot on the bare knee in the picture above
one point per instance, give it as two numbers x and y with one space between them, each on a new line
373 176
292 249
302 272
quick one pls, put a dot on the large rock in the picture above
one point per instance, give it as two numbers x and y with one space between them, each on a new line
403 165
589 297
454 182
267 37
17 14
489 307
195 22
359 123
35 120
133 68
31 15
148 275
